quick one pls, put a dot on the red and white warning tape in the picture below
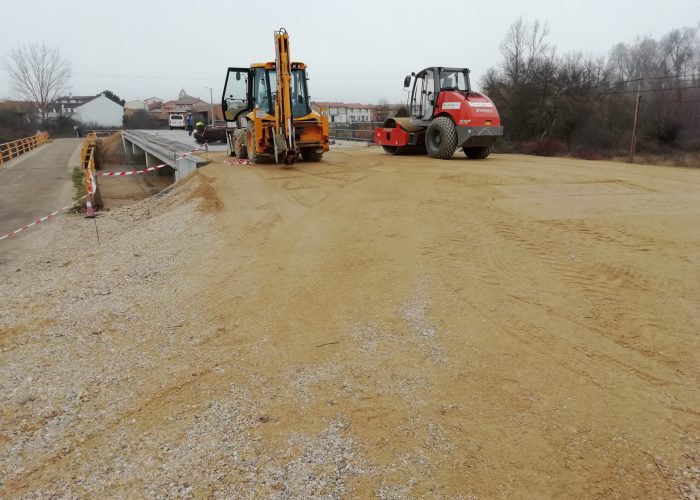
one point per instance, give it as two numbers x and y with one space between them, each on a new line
239 162
94 184
150 169
131 172
39 221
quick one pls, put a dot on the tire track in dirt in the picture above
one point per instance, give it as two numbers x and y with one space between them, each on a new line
598 284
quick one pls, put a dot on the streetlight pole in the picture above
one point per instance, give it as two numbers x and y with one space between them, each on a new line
211 103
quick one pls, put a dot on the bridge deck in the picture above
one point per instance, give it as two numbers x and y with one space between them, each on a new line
164 149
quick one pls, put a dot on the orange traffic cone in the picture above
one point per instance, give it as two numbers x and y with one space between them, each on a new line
90 213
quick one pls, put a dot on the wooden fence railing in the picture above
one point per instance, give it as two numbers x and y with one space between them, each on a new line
13 149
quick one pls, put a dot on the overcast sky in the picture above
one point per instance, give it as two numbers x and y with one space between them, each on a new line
356 50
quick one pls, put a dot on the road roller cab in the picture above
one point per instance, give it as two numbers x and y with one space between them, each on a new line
445 114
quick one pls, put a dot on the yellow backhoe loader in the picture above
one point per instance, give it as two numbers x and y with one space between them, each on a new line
269 105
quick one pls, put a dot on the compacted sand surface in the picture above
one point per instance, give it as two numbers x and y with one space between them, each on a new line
364 326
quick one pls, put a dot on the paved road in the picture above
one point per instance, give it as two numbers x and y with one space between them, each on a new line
181 136
32 186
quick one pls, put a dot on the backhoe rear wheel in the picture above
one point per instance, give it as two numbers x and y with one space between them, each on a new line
477 152
441 138
239 144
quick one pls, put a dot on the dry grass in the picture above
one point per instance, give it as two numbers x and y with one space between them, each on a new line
676 159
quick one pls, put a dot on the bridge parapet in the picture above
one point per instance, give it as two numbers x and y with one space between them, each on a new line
165 150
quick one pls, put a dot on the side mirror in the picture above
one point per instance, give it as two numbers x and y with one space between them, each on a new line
407 81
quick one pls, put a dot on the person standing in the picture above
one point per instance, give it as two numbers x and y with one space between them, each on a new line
190 123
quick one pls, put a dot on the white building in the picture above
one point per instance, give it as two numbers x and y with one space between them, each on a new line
340 112
66 105
101 111
136 105
142 104
91 110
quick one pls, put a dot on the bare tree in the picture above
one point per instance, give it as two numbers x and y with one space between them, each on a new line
39 74
382 110
523 48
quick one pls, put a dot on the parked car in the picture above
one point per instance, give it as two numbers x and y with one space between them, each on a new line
176 121
210 133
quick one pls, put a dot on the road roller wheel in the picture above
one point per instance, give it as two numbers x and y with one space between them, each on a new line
441 138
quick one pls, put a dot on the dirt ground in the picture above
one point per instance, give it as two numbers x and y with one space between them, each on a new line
119 191
365 326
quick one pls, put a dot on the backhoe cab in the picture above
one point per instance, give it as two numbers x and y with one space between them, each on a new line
445 114
269 105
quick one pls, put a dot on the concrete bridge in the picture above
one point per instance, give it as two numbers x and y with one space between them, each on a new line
157 149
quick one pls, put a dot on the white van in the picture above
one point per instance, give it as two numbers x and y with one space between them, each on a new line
177 121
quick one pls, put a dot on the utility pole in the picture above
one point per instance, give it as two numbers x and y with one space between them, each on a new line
633 143
211 103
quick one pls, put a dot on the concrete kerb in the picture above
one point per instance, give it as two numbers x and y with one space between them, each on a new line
165 150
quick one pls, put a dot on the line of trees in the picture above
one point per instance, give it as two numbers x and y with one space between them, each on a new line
581 103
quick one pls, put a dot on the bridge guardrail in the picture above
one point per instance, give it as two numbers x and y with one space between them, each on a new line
16 148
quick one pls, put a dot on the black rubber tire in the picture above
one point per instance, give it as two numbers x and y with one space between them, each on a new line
310 154
250 142
477 153
441 138
239 144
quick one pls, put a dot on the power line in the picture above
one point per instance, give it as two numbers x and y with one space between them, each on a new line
646 90
147 77
582 92
684 76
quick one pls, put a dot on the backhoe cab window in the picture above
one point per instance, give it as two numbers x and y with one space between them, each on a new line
235 94
265 92
264 88
300 100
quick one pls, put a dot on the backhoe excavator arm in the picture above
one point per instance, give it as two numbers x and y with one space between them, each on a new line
284 130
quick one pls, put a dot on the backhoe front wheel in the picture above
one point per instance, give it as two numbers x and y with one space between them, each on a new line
250 142
441 138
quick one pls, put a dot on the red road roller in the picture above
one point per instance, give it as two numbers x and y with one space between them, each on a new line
445 114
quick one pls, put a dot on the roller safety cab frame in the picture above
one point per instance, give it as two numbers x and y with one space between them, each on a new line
269 114
445 114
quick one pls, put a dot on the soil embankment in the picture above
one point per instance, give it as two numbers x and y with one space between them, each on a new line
118 191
